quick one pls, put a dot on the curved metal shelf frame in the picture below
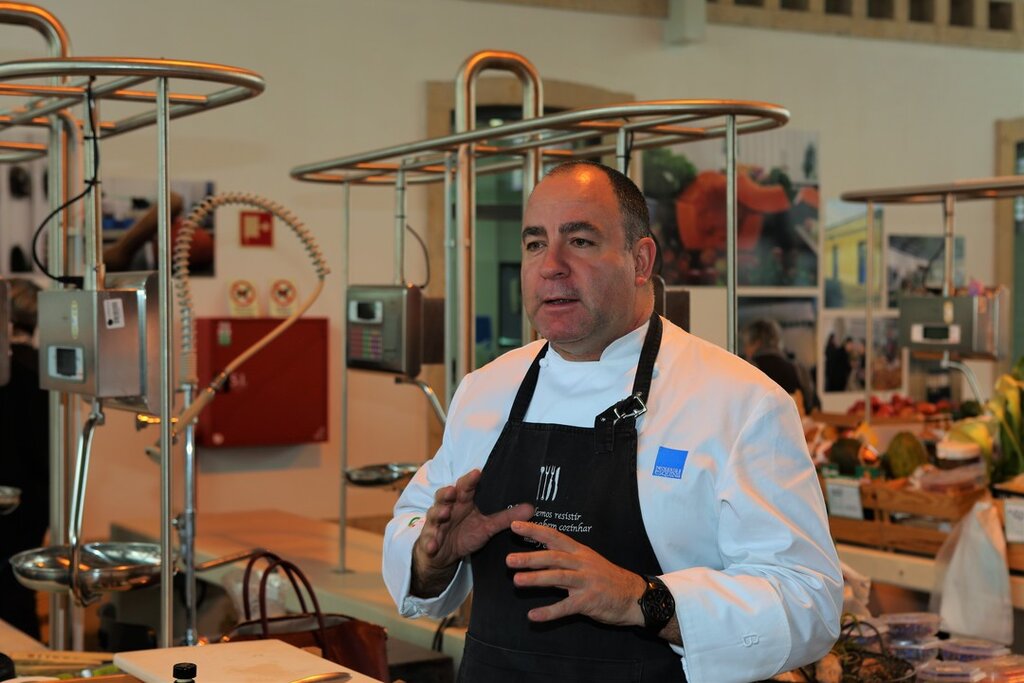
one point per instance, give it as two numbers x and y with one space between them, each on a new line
998 187
18 152
127 75
946 194
652 124
61 149
44 22
88 81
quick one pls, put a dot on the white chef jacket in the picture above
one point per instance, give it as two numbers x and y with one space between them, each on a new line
741 535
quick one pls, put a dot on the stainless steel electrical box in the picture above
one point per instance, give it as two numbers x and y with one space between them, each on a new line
385 328
103 344
967 326
5 332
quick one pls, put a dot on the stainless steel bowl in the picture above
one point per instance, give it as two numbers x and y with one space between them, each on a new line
393 474
104 567
10 498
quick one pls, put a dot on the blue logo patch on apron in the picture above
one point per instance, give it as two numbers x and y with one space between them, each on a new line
669 463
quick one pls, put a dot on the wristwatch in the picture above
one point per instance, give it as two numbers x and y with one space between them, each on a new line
657 604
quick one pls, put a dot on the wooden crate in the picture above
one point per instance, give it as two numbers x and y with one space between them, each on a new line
917 534
1014 551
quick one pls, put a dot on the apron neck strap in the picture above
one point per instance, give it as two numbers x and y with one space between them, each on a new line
525 394
648 354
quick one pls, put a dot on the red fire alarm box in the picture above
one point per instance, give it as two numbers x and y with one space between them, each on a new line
279 396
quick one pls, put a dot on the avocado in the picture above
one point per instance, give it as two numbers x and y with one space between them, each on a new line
906 453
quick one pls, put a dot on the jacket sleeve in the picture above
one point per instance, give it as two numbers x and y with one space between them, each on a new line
407 522
776 602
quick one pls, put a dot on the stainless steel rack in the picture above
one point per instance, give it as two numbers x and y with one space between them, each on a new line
60 151
90 81
452 159
946 194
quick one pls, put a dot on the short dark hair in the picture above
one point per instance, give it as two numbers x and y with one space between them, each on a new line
24 308
766 333
636 220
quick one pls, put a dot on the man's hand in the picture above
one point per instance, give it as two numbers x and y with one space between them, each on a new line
454 528
597 588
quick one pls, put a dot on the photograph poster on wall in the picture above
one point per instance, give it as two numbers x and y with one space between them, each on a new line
797 325
777 221
24 205
129 224
916 264
844 353
845 257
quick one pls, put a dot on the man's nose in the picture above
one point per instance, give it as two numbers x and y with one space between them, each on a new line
554 264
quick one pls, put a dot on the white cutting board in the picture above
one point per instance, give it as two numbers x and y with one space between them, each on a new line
253 661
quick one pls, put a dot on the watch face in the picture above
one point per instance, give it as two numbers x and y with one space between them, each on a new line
657 604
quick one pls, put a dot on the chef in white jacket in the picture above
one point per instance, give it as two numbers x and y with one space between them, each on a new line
627 501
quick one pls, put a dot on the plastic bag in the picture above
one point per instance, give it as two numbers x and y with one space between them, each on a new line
972 581
856 591
276 586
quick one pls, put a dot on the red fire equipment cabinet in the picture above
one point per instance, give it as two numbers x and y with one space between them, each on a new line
279 396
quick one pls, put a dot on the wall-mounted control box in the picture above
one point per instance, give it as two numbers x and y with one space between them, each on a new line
967 326
384 328
104 343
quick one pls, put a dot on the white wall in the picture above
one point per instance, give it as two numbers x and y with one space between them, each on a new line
345 76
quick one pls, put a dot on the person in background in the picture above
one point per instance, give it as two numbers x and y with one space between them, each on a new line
627 501
763 349
24 457
837 361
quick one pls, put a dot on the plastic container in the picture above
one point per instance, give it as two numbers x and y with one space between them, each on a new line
1007 669
911 627
869 633
955 480
917 654
952 454
950 672
970 650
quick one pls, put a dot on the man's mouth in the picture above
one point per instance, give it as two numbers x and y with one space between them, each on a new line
559 301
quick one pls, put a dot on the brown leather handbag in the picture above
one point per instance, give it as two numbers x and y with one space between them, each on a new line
351 642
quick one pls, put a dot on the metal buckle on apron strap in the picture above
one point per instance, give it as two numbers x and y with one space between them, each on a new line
628 408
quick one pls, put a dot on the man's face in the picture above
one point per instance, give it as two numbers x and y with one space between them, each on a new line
581 285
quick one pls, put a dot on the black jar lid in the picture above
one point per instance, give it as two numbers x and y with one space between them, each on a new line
6 667
184 670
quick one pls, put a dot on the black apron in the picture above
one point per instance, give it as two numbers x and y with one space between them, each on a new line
583 483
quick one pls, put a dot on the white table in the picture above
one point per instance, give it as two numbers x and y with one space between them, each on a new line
13 640
313 545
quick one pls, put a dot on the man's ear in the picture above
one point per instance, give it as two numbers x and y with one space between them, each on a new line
644 251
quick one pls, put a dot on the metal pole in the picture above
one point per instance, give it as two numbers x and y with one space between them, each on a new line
187 528
948 221
93 238
343 421
730 231
451 285
621 155
399 226
59 173
464 301
869 331
165 631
